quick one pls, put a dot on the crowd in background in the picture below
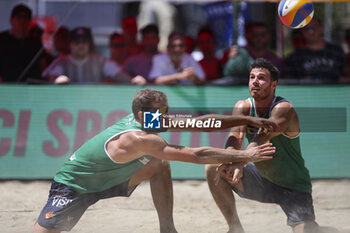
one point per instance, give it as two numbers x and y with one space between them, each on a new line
24 60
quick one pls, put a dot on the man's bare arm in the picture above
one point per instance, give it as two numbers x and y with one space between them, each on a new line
132 145
285 116
169 79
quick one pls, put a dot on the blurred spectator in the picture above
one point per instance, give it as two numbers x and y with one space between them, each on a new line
19 52
176 66
139 66
318 61
160 12
346 79
117 46
190 44
129 27
210 63
259 40
81 66
36 32
61 41
298 40
237 67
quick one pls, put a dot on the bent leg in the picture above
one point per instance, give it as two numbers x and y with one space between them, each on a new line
62 210
224 198
158 172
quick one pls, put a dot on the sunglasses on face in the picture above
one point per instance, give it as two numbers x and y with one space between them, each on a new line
116 44
177 45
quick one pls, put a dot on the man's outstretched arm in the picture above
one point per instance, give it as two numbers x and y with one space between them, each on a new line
133 145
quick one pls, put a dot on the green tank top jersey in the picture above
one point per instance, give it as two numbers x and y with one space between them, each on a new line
287 168
90 169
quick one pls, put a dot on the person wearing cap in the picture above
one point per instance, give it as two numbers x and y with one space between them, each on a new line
19 58
82 65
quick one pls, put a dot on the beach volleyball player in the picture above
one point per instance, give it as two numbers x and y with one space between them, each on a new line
283 180
115 161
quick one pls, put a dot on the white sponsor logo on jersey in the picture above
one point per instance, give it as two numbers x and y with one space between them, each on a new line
60 201
144 160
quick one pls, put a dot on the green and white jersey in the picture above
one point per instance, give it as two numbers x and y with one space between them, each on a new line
90 169
287 168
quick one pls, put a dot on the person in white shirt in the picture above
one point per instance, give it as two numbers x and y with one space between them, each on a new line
176 66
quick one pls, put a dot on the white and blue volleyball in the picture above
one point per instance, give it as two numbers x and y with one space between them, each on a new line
295 13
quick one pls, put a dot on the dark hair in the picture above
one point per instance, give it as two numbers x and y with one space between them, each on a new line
21 8
205 29
317 20
265 64
145 99
347 34
150 28
249 25
82 33
62 32
115 35
176 35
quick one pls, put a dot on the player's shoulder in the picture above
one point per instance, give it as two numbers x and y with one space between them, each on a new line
283 108
132 135
139 137
284 104
243 103
243 107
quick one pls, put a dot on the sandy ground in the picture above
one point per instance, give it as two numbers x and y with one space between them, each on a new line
194 209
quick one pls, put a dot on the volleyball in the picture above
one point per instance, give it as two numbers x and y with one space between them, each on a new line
295 13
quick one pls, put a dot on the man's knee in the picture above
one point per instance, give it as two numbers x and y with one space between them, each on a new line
210 171
162 166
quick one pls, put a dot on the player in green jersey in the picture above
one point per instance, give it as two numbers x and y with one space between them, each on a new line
116 160
283 180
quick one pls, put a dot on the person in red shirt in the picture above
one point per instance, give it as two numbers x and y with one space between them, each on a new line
210 63
129 27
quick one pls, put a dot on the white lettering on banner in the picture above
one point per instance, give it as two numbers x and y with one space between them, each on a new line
60 201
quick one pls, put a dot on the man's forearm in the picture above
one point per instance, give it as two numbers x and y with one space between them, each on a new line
211 155
168 79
